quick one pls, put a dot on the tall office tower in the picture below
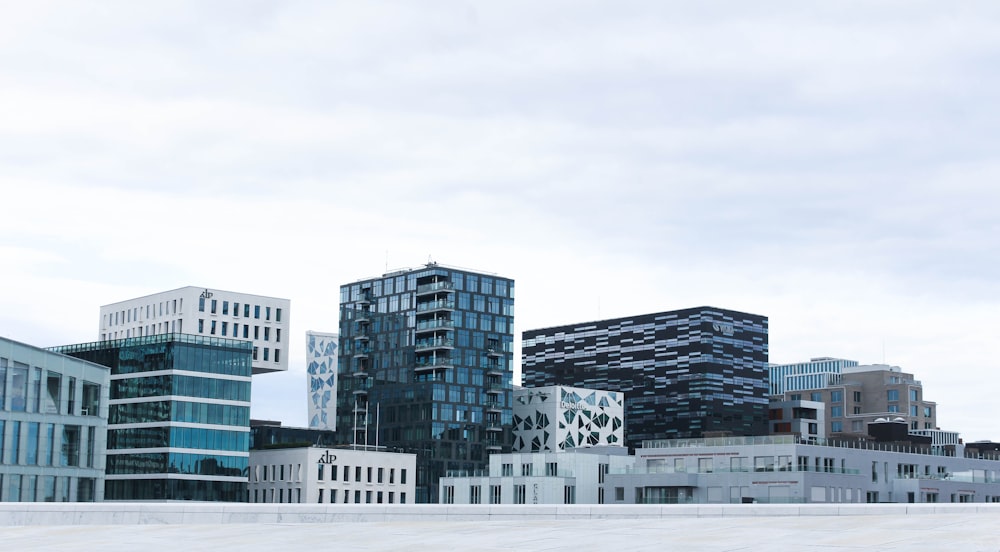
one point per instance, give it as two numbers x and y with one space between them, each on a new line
200 311
53 425
321 368
861 394
425 367
179 420
684 373
817 373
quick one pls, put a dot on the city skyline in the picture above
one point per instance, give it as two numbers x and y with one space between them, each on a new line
825 166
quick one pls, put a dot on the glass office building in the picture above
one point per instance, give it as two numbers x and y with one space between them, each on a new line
179 420
425 367
684 373
53 422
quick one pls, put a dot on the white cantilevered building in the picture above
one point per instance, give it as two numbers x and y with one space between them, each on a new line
207 312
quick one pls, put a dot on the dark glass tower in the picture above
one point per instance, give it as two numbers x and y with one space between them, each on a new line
685 373
179 420
425 367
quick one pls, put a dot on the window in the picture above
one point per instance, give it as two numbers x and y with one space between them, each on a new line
857 396
892 395
246 331
381 472
857 410
836 396
836 427
704 465
213 328
474 494
914 395
893 408
816 396
569 494
277 353
214 302
357 473
319 474
225 307
619 494
256 332
402 478
225 326
369 474
525 470
449 494
236 309
201 325
796 396
277 315
277 335
255 353
507 470
519 494
928 412
267 333
267 313
256 311
551 468
837 411
201 305
913 410
495 494
266 353
246 310
320 493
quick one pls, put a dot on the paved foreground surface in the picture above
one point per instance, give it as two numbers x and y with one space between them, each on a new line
952 531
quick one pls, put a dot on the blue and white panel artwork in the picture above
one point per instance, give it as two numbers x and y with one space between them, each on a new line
321 370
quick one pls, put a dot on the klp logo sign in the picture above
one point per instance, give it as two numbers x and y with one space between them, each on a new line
726 329
327 458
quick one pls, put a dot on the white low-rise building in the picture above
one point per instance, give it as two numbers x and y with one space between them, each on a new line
571 477
327 475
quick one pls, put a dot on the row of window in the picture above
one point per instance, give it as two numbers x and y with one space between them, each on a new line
47 392
295 496
222 328
178 437
46 488
180 411
527 469
496 494
40 444
127 316
187 386
175 462
214 309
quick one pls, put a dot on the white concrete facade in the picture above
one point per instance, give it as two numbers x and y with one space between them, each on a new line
209 312
321 475
785 469
570 477
557 417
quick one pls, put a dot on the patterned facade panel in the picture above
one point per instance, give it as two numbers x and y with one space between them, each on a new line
321 352
557 418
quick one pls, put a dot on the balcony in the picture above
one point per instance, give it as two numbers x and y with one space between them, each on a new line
430 364
493 425
362 352
362 317
435 287
494 369
493 406
361 338
494 388
434 343
360 372
493 446
360 393
431 325
438 305
365 298
494 352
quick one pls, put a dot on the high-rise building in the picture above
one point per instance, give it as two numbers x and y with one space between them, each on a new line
214 313
685 373
425 367
861 394
53 426
321 369
179 420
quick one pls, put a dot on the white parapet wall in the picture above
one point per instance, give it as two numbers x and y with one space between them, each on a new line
203 513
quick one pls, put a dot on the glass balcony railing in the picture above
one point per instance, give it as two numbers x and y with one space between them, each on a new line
437 343
434 287
434 324
435 305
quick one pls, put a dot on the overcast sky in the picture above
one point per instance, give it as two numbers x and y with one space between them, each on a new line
831 165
